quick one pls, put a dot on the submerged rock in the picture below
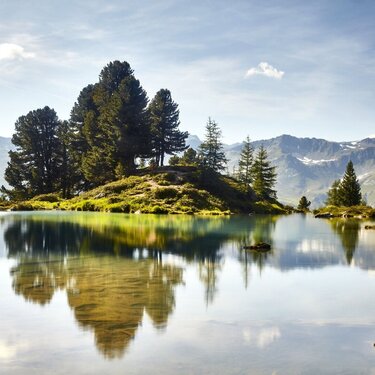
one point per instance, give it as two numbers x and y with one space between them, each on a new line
325 215
261 246
369 226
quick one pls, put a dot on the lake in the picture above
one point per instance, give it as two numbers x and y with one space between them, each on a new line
96 293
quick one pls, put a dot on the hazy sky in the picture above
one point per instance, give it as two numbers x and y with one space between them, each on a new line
259 68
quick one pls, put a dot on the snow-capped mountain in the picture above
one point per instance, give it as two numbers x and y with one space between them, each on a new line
305 166
308 166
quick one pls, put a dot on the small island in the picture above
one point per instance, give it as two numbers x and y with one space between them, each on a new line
111 154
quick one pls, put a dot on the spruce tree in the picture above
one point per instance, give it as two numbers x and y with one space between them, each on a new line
350 190
303 204
166 138
211 151
35 166
264 176
245 164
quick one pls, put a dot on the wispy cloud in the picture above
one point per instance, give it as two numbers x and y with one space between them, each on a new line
265 69
11 51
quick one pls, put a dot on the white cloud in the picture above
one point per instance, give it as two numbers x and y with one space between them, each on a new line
265 69
262 337
10 51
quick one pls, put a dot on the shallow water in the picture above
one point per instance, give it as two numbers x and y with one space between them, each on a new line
91 293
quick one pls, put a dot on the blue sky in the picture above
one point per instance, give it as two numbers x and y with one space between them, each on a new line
259 68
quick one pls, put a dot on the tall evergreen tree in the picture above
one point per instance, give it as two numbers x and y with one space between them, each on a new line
211 151
166 138
350 190
264 176
110 125
245 164
34 167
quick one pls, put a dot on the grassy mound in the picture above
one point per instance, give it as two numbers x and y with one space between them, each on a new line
168 190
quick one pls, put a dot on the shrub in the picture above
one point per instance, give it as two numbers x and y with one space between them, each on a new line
47 198
164 193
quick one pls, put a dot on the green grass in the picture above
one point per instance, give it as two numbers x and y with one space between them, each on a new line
354 211
179 191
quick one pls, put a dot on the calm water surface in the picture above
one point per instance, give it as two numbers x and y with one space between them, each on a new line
89 293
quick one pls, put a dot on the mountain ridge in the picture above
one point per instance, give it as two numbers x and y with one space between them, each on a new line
305 166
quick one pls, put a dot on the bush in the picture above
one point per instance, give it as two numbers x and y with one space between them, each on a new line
164 193
52 198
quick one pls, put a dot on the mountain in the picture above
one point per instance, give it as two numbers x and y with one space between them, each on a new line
308 166
305 166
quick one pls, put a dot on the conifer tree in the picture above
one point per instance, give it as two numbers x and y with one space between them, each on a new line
82 130
303 204
211 151
346 192
264 176
333 198
189 157
35 166
166 138
349 189
245 164
110 126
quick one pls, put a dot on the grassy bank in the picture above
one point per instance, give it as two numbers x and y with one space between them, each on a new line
354 211
165 191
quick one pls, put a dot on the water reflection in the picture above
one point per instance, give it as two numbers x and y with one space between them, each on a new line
348 231
113 267
107 295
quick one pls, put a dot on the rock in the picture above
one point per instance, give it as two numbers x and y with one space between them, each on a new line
325 215
369 226
260 246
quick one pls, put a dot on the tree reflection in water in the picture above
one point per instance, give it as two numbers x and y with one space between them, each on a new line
348 232
114 271
107 295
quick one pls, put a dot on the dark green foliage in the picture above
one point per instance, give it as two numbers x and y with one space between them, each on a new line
346 192
211 152
245 164
166 138
109 126
82 135
350 190
174 160
333 198
303 204
189 157
39 161
264 176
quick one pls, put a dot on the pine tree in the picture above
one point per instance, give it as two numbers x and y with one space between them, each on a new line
211 151
303 204
264 176
81 134
350 190
333 198
189 157
34 167
166 138
245 164
109 126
